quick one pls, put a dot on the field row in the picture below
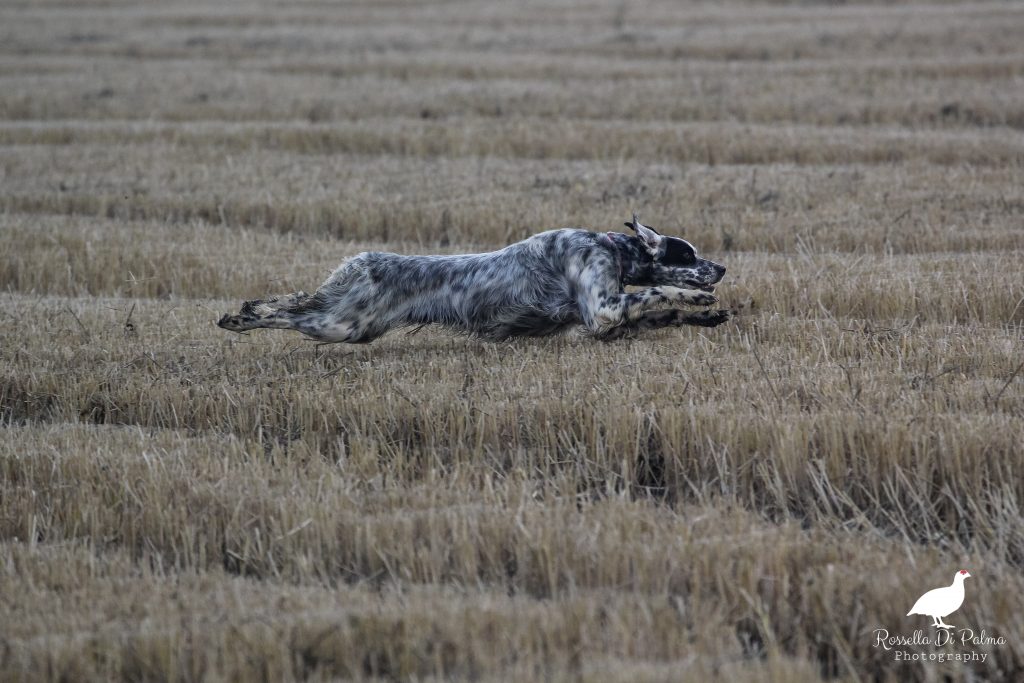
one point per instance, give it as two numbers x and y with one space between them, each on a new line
140 259
542 138
607 29
448 63
270 177
959 96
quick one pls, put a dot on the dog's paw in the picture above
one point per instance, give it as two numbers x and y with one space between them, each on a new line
711 318
234 323
698 298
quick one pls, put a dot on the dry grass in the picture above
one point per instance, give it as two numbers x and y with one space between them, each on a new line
743 503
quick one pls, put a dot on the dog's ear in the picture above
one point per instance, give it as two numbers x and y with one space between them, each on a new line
635 222
648 236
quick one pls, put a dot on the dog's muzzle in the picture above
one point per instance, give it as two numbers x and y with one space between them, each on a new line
720 273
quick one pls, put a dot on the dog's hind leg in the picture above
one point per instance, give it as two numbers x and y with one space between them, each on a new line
302 313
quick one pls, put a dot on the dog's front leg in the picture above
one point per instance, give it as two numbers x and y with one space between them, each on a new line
674 297
653 320
603 311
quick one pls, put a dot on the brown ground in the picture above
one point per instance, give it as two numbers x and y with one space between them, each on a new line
744 503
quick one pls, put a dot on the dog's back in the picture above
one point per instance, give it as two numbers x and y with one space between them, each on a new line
521 290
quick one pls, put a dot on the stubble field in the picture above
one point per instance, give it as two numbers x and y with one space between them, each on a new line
744 503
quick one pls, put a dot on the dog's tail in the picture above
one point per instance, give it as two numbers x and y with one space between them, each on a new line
278 312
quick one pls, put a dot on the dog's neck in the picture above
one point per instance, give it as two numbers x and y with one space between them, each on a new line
633 259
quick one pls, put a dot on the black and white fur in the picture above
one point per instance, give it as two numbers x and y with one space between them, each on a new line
542 285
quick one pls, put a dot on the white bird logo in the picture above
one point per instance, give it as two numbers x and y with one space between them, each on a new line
942 602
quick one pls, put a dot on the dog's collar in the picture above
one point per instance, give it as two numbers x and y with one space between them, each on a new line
615 251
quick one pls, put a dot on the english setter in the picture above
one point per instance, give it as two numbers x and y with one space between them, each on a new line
542 285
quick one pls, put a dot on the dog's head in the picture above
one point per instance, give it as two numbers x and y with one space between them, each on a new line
670 261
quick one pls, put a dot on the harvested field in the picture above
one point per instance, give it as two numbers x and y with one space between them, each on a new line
745 503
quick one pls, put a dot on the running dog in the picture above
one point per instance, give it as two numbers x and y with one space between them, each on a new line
542 285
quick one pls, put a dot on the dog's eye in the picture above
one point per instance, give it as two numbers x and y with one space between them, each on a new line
679 253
